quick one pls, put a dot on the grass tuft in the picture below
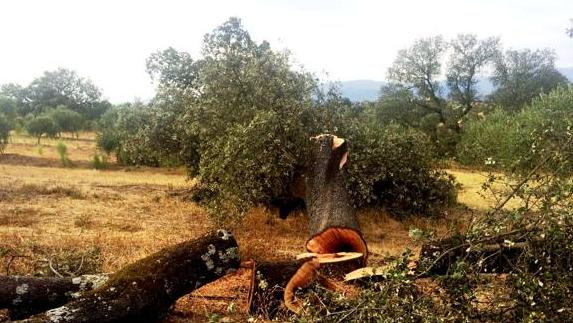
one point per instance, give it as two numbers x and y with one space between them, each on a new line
62 150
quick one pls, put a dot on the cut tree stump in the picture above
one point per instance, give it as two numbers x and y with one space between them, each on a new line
332 220
25 296
144 290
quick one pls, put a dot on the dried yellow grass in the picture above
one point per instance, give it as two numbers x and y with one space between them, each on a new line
472 194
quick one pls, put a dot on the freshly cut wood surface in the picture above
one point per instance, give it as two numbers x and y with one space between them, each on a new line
366 272
325 258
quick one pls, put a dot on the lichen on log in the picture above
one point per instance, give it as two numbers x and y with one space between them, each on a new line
24 296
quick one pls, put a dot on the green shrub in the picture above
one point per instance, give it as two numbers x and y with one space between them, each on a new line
394 167
62 150
41 125
123 130
252 164
517 142
66 120
142 135
99 161
107 141
19 126
5 128
8 108
548 123
492 141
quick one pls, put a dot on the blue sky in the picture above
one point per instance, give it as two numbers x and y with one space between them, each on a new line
108 41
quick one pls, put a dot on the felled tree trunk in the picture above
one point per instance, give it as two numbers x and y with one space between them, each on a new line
144 290
25 296
336 244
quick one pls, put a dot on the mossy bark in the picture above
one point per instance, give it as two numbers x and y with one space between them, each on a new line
144 290
25 296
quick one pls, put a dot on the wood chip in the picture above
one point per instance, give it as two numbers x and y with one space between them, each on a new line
325 258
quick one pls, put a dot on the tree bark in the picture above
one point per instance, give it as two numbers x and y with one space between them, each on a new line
144 290
333 224
25 296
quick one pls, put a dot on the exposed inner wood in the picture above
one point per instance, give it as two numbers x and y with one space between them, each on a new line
334 240
366 272
325 258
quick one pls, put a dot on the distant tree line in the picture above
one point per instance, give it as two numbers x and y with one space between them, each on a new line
58 102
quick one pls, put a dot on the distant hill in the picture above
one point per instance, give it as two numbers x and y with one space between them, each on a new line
361 90
368 90
568 72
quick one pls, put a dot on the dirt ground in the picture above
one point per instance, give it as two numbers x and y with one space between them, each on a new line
84 220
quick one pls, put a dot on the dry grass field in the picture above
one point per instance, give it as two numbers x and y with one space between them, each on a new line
84 220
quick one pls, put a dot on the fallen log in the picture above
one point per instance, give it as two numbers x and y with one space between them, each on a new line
26 296
144 290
